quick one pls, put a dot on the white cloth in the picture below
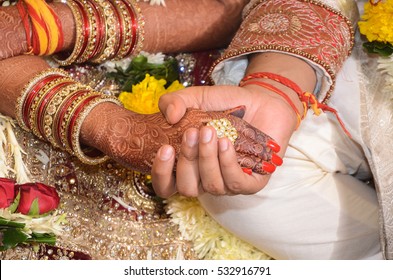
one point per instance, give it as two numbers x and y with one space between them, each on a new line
316 205
312 208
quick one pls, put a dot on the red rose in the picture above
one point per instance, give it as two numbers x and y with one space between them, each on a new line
7 192
48 199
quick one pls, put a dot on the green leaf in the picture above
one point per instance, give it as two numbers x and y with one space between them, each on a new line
7 223
12 237
14 204
139 67
380 48
42 238
34 208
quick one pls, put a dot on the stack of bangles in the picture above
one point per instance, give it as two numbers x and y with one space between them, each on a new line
307 99
53 106
105 29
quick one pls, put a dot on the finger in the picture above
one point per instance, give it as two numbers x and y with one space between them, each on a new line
247 130
235 179
173 107
163 180
264 150
207 98
187 170
209 167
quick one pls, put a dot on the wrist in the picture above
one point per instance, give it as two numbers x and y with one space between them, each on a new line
265 98
93 127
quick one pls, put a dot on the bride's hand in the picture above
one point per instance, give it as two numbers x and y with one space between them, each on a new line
133 139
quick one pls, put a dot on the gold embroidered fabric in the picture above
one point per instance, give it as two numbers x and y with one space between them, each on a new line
110 212
377 132
308 29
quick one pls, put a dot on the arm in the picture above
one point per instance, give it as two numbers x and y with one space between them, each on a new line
212 167
61 111
181 26
308 49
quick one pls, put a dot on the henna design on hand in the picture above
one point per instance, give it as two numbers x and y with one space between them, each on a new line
133 139
12 33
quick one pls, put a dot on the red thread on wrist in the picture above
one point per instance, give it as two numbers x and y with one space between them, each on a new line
279 92
308 99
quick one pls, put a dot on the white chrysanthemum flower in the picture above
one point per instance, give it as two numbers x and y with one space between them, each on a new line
44 224
211 241
154 58
156 2
111 65
7 138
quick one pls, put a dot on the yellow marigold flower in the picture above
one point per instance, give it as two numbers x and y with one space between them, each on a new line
144 96
376 22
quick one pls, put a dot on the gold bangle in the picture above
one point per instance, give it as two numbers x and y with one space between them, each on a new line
79 38
125 25
26 91
75 135
112 34
52 111
34 114
92 41
71 113
134 23
62 110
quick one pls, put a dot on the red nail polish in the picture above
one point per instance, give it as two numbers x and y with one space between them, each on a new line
268 167
247 170
277 160
274 146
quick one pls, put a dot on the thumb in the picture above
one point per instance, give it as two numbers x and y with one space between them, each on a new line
208 98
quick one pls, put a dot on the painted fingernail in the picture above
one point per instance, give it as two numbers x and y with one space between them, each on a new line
268 167
165 153
274 146
277 160
247 170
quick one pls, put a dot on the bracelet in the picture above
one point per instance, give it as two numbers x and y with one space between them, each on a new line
76 125
91 32
33 85
308 99
134 28
53 107
26 24
279 92
82 32
46 30
111 37
105 29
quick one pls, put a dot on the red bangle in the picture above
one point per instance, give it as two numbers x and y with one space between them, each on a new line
44 104
26 24
134 29
32 94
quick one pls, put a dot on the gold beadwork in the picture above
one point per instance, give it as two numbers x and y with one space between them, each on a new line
224 128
